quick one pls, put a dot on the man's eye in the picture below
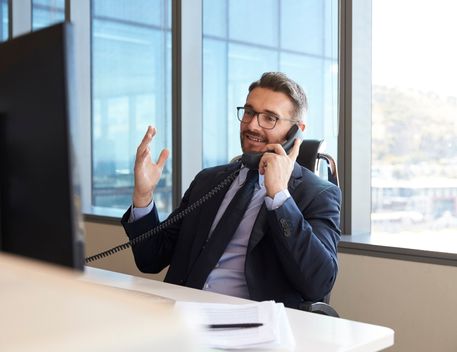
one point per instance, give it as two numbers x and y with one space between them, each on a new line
249 112
270 118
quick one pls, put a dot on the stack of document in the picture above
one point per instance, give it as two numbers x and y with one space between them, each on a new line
272 329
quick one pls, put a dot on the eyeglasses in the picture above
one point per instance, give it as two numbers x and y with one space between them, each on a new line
264 119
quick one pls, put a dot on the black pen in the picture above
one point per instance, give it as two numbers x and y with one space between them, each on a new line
234 326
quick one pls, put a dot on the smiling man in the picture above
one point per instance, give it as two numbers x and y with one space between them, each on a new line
272 234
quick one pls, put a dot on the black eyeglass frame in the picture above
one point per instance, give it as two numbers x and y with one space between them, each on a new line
257 114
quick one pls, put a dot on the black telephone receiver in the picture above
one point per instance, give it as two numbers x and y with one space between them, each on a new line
252 160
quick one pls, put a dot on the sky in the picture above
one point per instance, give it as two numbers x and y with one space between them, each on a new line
415 45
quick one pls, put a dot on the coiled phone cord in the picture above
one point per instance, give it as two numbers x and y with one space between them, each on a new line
227 181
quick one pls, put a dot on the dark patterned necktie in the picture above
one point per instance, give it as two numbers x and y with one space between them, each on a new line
216 244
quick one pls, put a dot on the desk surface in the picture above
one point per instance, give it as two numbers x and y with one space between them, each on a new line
313 332
49 308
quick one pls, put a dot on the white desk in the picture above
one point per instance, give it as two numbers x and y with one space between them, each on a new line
313 332
48 308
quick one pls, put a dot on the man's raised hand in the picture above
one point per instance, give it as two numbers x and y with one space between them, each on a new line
147 173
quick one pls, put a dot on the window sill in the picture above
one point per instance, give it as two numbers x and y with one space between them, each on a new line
108 216
430 248
103 215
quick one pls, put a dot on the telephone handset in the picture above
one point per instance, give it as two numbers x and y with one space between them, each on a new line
251 160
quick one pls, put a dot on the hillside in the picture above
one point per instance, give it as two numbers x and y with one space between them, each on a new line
415 132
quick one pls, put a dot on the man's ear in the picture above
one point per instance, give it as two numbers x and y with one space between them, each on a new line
302 125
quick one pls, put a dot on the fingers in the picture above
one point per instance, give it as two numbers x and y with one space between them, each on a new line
273 150
151 131
276 148
295 149
163 158
143 154
262 165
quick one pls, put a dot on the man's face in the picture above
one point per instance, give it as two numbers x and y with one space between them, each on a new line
255 138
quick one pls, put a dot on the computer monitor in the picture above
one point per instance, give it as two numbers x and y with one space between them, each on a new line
39 195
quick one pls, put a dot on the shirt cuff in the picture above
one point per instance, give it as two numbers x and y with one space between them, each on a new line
279 199
138 213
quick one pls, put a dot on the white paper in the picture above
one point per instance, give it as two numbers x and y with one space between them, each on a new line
274 333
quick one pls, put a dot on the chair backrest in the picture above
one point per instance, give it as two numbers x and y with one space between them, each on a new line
310 157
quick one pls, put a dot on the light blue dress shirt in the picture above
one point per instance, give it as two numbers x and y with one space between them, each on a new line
228 275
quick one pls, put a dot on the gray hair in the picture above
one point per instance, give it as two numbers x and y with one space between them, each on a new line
279 82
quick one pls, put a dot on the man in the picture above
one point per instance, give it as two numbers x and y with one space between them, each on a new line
284 246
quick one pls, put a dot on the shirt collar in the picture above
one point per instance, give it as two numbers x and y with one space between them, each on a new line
244 173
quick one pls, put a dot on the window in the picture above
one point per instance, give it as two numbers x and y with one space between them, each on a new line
131 78
4 20
403 156
131 89
414 117
47 12
243 39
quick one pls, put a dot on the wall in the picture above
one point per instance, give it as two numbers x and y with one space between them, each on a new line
100 237
417 300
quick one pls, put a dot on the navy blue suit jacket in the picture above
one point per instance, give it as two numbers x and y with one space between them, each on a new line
292 251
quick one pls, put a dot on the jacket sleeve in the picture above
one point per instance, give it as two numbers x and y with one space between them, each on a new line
306 241
154 253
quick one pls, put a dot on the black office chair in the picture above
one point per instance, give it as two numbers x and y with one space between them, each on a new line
311 157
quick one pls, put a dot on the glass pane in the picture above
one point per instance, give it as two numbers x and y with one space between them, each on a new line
131 89
297 37
254 21
414 172
310 73
215 24
152 12
47 12
215 58
246 63
307 37
331 30
4 19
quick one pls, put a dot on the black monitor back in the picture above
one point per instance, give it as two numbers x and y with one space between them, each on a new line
39 197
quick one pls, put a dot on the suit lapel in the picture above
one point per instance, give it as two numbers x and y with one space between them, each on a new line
259 229
209 210
295 178
260 226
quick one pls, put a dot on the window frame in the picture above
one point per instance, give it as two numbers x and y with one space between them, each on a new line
354 151
19 17
354 137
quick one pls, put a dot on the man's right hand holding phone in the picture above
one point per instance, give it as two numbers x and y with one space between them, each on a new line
147 173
